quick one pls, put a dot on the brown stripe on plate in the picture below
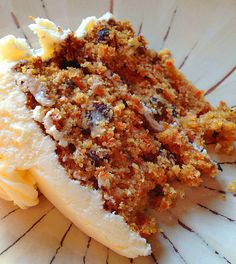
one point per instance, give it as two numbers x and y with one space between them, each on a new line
27 231
212 89
187 56
154 258
86 252
140 28
111 6
174 247
215 212
108 255
45 9
169 27
186 227
61 243
9 213
203 240
18 26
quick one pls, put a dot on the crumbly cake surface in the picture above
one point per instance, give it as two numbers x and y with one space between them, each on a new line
125 120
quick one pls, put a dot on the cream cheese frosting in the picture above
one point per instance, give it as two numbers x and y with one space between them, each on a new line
18 186
16 182
14 49
49 35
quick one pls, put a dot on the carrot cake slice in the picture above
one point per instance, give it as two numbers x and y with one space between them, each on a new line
99 110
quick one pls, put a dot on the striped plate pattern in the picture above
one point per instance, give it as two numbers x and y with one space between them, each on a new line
201 228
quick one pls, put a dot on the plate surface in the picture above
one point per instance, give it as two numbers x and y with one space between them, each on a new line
202 228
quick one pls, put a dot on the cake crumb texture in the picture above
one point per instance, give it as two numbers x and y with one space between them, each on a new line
125 121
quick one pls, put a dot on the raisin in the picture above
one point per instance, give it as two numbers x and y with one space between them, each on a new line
70 84
161 150
65 64
125 103
103 34
86 132
96 160
155 59
174 112
98 156
172 158
71 148
157 191
153 99
157 102
215 134
149 157
103 109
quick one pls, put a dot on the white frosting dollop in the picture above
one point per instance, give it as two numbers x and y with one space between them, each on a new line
18 186
52 130
14 49
38 113
49 35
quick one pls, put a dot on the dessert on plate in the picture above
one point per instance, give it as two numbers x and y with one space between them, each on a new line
103 126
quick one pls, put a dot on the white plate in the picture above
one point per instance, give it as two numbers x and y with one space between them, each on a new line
201 229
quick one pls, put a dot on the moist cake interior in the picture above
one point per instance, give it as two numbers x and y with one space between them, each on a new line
125 121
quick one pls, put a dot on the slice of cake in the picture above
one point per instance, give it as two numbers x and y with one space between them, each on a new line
103 126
